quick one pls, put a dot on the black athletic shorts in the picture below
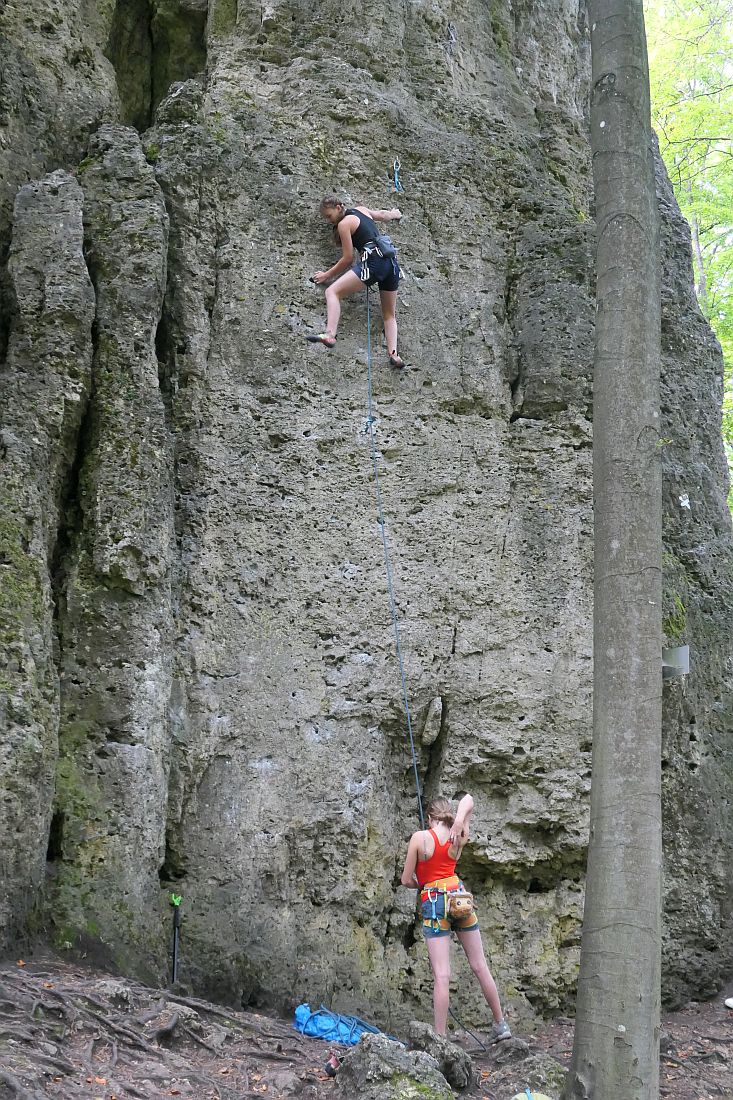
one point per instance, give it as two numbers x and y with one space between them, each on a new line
384 272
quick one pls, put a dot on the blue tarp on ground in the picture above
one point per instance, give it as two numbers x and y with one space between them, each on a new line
332 1026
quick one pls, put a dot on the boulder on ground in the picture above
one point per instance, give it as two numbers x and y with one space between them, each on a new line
508 1051
544 1072
455 1064
543 1075
379 1068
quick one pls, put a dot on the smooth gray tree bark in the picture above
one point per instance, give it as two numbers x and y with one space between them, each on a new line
616 1049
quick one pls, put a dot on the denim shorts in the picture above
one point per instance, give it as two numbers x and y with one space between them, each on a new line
384 272
435 922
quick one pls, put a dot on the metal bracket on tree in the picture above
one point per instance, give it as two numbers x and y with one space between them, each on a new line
675 662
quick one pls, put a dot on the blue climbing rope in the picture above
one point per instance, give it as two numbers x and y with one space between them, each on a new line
370 422
388 568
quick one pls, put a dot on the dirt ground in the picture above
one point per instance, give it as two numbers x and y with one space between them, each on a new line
67 1031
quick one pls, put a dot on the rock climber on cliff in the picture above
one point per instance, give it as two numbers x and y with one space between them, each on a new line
430 865
355 228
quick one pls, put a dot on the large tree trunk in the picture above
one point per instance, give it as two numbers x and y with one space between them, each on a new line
615 1055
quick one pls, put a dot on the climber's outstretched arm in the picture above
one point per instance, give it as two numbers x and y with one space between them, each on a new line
392 215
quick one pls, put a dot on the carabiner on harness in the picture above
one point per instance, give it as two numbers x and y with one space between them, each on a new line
434 918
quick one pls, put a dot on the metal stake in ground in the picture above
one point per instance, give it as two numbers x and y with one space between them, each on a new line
176 900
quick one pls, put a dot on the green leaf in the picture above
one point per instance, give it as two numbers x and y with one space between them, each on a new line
690 44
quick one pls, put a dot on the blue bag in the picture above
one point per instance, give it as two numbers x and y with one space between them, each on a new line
324 1024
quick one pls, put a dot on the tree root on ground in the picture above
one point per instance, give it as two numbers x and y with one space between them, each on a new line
70 1033
67 1033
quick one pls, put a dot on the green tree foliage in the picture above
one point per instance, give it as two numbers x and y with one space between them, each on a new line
690 46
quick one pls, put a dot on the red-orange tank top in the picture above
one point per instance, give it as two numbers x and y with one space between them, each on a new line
440 865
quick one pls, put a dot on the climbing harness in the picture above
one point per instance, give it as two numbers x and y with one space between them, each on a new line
431 893
384 247
370 422
396 176
458 912
457 905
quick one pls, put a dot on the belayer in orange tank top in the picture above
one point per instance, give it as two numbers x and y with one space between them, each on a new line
439 864
430 864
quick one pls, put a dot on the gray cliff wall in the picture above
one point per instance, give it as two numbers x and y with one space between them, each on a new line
201 688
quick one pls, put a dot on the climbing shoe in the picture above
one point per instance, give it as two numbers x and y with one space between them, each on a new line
324 338
396 360
500 1031
333 1065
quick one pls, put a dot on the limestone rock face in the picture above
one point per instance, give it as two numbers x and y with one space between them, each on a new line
44 395
696 762
198 652
115 613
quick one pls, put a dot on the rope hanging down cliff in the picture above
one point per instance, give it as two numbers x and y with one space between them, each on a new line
370 422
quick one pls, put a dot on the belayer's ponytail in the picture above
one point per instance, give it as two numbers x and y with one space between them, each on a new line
440 810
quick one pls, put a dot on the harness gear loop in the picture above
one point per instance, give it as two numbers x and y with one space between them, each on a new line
388 568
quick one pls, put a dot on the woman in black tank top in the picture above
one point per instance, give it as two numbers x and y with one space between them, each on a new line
355 227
